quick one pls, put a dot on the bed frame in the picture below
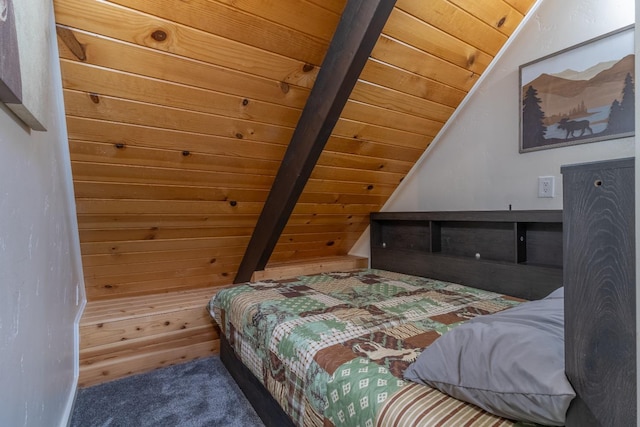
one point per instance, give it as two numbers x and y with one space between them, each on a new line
517 253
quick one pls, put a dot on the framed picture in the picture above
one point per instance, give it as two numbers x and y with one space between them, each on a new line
24 59
10 79
581 94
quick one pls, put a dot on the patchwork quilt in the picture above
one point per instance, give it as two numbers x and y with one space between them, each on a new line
332 348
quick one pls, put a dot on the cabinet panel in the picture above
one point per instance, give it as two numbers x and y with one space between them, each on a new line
490 240
544 244
406 234
599 278
513 252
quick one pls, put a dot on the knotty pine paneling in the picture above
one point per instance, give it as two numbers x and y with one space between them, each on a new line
84 129
179 113
368 93
90 190
83 151
457 22
307 17
140 271
502 16
421 35
181 207
124 234
102 107
128 135
338 167
258 31
520 5
402 80
173 38
157 222
119 84
103 172
425 64
118 55
120 259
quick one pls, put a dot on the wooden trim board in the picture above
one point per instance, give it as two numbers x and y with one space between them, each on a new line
284 270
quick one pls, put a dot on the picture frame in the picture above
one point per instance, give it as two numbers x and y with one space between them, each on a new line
10 77
24 60
581 94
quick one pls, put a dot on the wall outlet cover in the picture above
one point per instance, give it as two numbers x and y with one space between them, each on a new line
546 186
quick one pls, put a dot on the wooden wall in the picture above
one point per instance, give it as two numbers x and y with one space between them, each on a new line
179 112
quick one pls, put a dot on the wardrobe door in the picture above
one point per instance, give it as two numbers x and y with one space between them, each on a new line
599 280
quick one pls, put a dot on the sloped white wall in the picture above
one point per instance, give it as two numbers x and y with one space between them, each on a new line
41 285
474 164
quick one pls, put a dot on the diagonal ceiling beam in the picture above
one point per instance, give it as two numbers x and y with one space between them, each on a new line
354 39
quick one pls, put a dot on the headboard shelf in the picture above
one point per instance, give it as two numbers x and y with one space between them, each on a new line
475 248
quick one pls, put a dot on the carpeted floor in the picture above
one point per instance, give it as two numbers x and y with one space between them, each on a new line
193 394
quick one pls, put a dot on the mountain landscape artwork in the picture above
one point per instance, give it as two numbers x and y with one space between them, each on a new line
579 95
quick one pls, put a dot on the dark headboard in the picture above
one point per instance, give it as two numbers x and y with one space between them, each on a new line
517 253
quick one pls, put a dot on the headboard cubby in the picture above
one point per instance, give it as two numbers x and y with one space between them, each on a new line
517 253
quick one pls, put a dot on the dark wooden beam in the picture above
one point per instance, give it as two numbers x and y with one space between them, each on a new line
354 39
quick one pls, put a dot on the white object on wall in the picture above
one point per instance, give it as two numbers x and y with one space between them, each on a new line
546 186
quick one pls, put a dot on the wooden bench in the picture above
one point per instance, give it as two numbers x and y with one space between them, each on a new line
125 336
132 335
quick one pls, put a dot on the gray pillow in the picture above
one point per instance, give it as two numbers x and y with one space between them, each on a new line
510 363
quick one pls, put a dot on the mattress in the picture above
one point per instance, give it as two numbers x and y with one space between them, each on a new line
332 348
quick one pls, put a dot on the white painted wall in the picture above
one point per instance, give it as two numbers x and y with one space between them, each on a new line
42 290
474 163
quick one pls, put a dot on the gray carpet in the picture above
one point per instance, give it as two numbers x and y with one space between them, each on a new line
193 394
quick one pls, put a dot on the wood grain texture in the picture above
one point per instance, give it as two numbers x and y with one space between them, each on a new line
350 47
442 14
137 334
197 101
116 54
443 245
599 276
501 16
284 270
225 20
521 6
125 85
427 37
174 38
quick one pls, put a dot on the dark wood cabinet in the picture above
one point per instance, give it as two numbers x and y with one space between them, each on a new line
599 279
518 253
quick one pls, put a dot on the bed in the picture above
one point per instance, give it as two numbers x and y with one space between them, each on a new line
334 348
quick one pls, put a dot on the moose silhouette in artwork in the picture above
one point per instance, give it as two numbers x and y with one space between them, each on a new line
571 126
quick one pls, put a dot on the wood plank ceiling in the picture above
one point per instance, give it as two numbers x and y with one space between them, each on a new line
179 113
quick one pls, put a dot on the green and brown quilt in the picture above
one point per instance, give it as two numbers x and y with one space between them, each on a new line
332 348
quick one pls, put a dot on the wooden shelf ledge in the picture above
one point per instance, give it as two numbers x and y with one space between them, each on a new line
285 270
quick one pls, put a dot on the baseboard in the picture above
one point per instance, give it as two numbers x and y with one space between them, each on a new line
71 401
68 411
